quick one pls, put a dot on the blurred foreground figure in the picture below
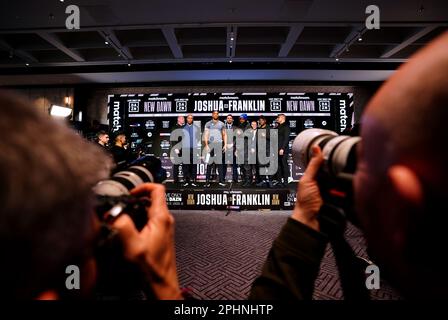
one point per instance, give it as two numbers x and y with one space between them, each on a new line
400 186
47 218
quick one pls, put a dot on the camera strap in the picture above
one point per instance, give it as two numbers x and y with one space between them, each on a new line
351 269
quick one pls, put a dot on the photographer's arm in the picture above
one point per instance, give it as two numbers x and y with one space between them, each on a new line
153 247
293 262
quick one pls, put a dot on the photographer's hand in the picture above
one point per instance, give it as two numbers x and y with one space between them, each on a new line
153 247
309 200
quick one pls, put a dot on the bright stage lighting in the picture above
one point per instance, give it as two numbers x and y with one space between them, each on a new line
58 111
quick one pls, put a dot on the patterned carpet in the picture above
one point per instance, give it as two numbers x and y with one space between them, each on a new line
219 256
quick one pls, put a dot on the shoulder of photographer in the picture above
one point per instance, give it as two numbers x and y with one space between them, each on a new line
294 259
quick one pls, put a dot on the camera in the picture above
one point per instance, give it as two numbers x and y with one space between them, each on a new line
339 152
113 197
335 181
335 178
118 278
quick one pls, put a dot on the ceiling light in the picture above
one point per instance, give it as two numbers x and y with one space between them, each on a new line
231 39
105 42
58 111
61 0
27 64
360 38
337 59
230 61
129 64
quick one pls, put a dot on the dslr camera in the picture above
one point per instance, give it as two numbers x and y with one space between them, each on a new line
335 180
335 177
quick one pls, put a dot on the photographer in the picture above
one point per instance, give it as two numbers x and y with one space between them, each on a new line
47 219
400 190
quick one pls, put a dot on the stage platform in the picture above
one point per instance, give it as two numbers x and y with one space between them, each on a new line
230 197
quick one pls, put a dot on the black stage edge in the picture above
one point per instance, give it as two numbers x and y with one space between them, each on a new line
230 197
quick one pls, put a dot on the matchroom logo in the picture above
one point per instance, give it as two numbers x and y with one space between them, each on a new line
116 118
342 115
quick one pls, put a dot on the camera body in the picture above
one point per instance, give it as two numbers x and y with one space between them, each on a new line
110 207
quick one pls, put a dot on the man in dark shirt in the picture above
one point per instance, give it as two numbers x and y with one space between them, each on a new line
264 134
119 151
253 153
242 149
400 191
103 139
179 125
283 151
230 129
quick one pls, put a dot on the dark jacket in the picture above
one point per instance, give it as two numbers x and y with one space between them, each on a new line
264 133
239 133
105 147
283 136
121 156
292 265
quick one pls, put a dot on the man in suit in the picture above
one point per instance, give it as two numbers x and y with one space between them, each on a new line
283 151
230 127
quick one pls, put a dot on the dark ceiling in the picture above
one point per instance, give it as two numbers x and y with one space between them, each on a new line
33 35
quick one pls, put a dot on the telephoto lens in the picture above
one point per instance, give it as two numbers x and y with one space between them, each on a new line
339 152
335 178
113 195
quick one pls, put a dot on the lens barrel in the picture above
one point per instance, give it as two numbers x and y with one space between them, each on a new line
339 152
144 170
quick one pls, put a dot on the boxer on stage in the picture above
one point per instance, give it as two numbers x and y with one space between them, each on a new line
215 140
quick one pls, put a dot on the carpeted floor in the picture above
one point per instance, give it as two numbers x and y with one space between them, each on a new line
219 255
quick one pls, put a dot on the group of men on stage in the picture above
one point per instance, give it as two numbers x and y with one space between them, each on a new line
246 145
249 147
